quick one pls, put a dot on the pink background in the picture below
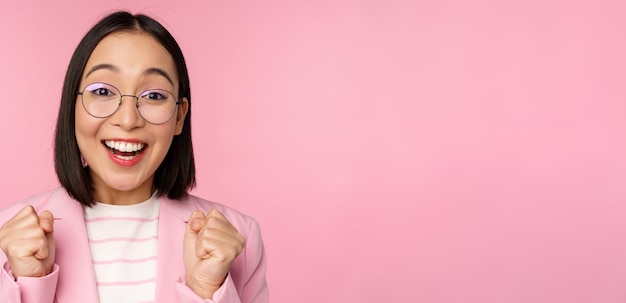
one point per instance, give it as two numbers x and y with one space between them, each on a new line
393 151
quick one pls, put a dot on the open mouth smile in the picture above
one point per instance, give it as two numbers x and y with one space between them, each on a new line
123 150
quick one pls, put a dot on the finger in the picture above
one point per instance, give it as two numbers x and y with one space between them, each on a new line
25 222
216 225
25 212
25 229
216 220
46 221
196 221
10 237
205 247
218 238
50 245
216 214
220 250
41 250
224 236
25 248
194 224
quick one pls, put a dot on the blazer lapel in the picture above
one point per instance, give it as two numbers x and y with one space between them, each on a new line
76 276
172 224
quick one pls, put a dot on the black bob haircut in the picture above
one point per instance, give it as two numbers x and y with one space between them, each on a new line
175 176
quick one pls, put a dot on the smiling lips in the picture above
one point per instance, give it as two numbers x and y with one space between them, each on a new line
123 150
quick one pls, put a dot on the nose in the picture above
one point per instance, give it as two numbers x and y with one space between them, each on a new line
127 116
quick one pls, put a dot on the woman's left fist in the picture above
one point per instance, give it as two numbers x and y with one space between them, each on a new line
210 246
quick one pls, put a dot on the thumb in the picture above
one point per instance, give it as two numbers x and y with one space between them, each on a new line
46 221
196 221
194 225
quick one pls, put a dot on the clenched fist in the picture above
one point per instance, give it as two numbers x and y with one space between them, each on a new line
210 245
27 241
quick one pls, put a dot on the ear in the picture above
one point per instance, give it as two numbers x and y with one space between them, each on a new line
183 108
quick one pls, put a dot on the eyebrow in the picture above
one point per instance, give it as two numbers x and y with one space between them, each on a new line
102 66
149 71
158 71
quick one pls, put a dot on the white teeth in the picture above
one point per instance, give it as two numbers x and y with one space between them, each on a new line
123 146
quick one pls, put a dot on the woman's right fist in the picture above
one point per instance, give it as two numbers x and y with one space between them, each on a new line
27 241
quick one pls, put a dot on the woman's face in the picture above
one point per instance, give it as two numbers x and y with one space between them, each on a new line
132 62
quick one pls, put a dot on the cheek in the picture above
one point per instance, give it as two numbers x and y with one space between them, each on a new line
165 135
86 126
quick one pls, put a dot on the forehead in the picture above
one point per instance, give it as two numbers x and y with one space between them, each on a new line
131 53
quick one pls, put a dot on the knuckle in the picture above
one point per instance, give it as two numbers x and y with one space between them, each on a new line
30 209
40 242
31 219
241 239
234 252
205 233
205 241
212 221
14 250
242 246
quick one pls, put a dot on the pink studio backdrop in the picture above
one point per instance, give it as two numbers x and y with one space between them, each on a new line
393 151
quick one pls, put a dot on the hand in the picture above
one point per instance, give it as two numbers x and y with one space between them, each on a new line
28 242
210 245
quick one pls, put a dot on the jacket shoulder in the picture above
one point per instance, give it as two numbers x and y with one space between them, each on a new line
183 209
208 205
39 201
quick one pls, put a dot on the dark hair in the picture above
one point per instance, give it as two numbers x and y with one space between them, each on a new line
176 174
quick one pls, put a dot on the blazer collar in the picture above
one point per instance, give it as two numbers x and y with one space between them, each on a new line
180 210
77 281
173 218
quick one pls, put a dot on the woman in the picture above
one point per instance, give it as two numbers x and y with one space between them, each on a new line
123 228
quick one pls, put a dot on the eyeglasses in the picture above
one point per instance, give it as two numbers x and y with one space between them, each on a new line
101 100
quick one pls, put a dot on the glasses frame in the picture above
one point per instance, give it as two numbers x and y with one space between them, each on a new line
178 102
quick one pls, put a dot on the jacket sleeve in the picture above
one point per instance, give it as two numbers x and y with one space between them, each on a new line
227 293
249 285
26 289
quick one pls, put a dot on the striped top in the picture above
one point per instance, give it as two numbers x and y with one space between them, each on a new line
123 242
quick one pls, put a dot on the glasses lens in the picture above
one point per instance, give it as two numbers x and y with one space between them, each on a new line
100 99
157 106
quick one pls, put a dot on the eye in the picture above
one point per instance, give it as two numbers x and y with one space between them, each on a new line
154 95
102 91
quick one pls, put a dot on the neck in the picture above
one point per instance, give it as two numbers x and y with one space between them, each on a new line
113 196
